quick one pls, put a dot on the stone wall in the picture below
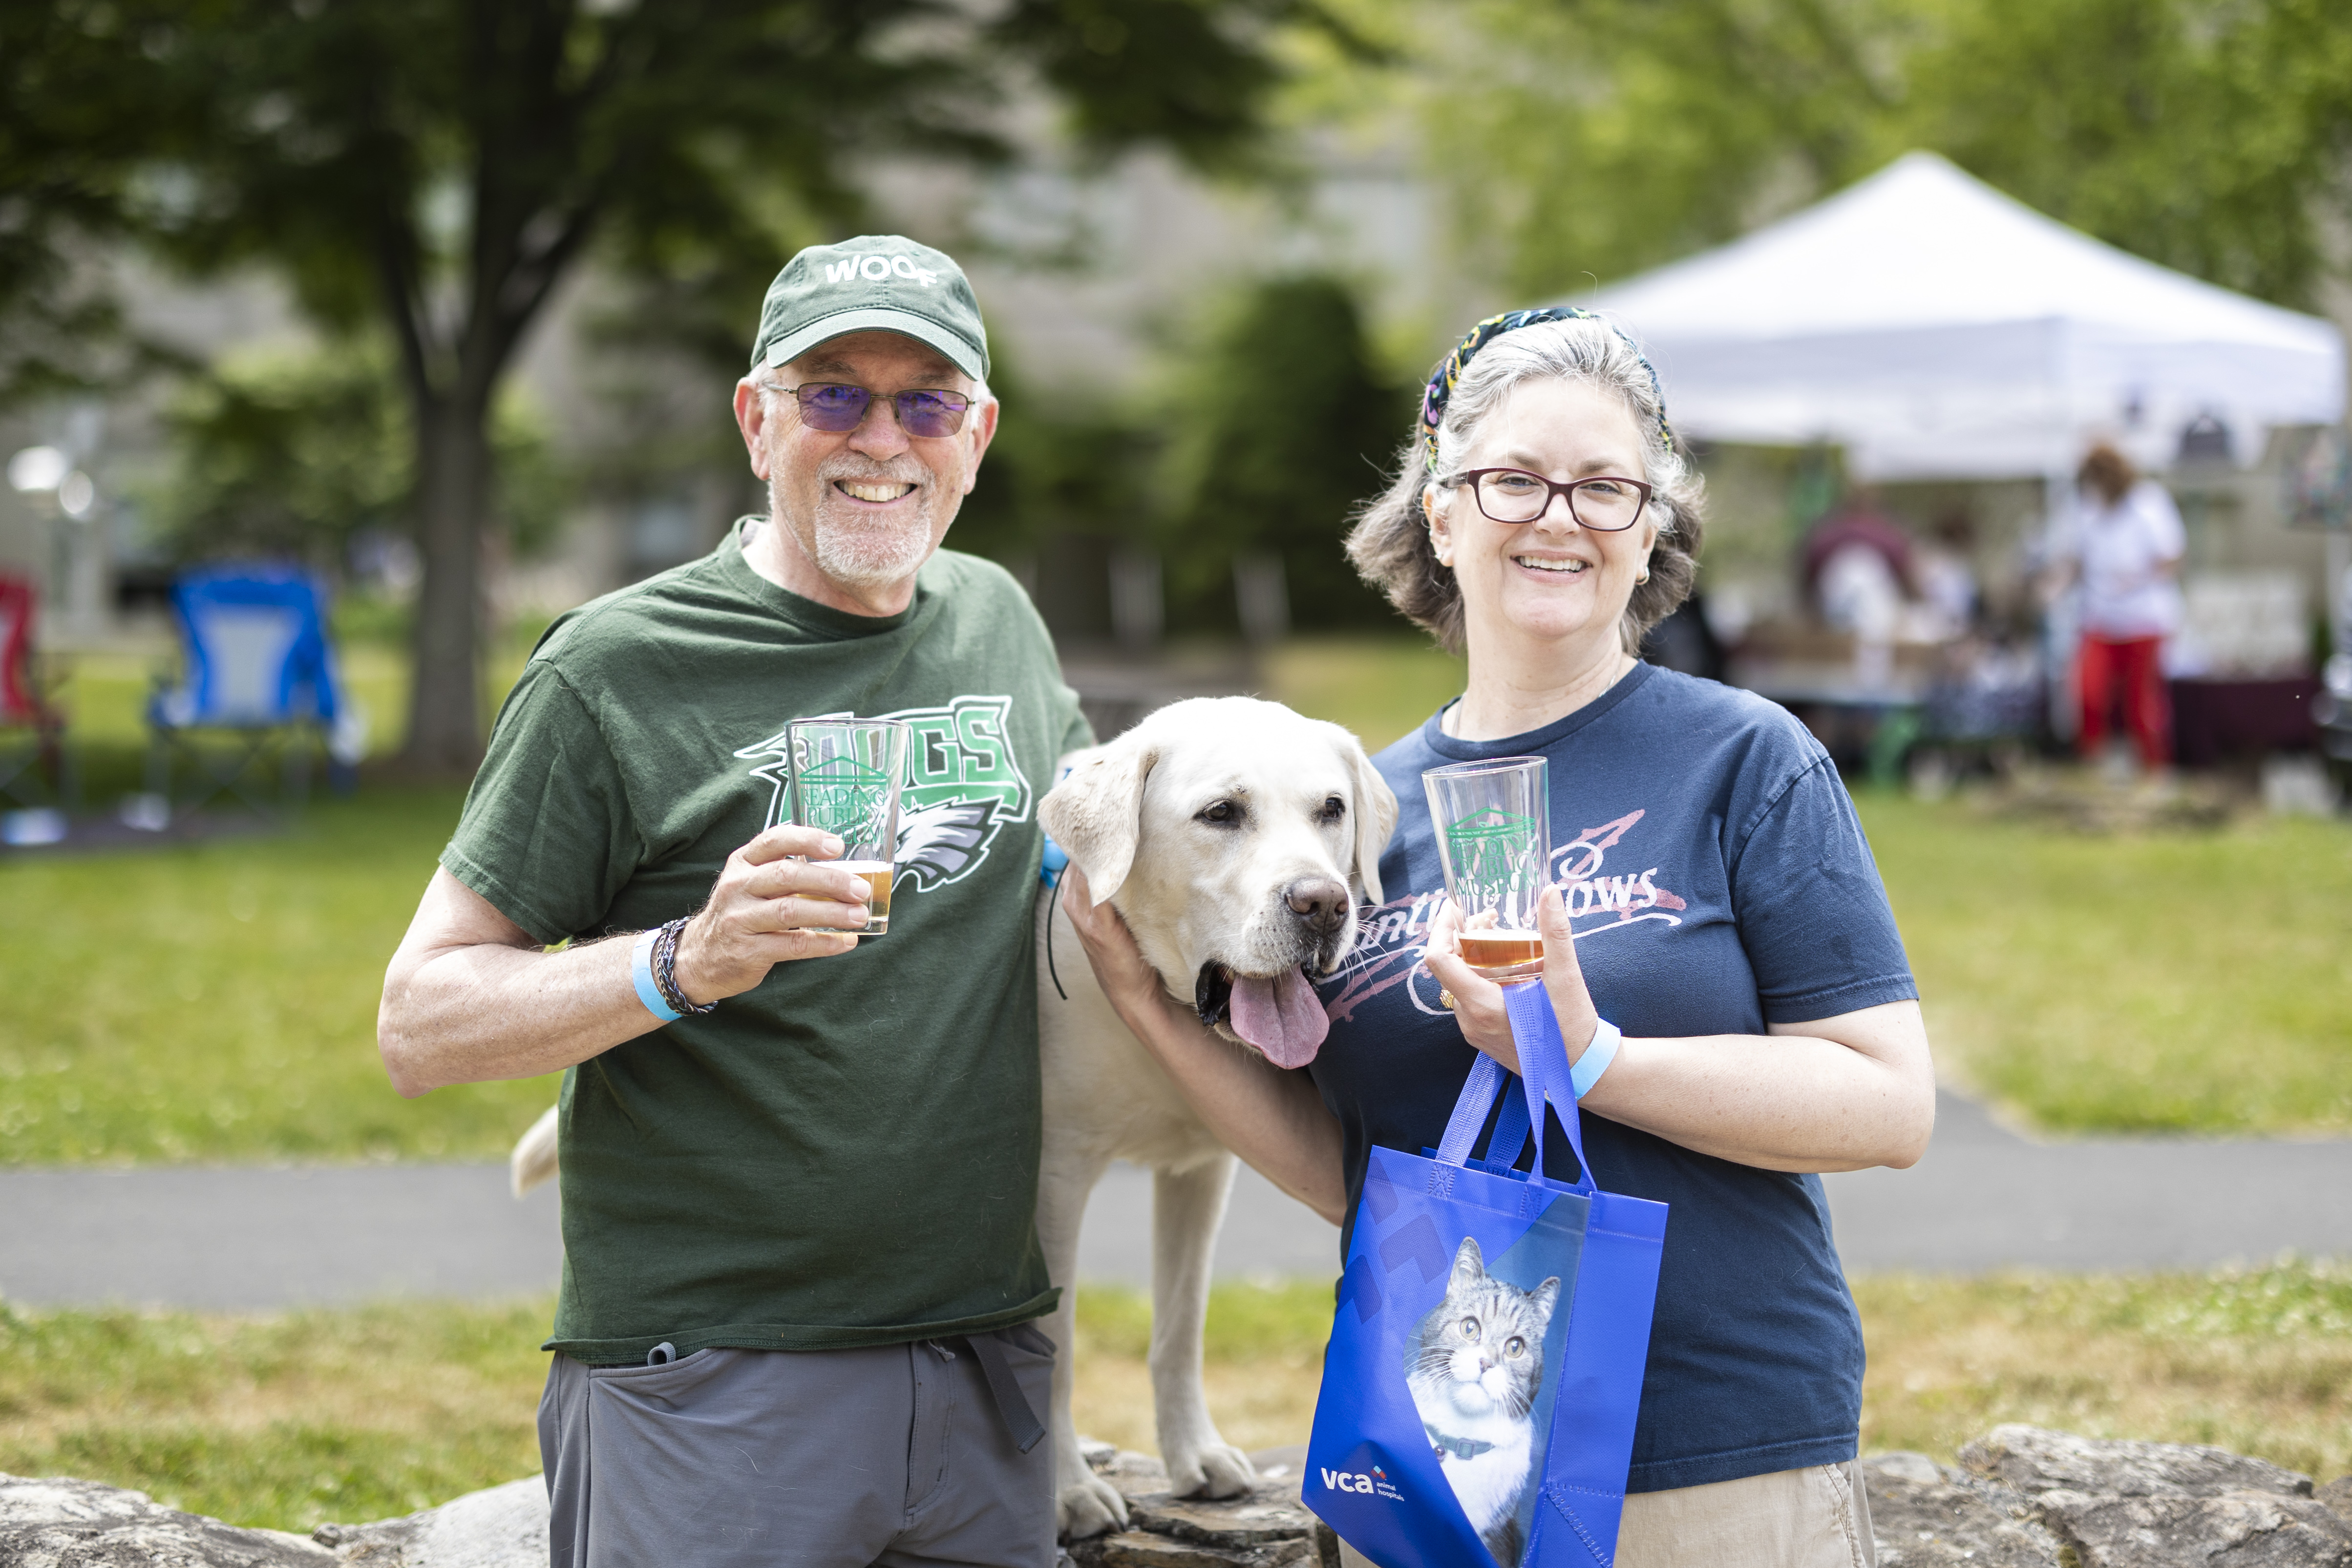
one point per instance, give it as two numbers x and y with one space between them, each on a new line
2020 1498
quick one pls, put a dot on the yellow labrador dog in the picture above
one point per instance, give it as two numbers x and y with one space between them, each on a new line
1236 837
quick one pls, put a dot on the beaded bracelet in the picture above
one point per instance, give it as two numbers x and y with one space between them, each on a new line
666 970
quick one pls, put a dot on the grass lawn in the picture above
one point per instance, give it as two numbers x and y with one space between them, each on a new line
287 1421
2189 980
292 1420
1382 688
217 1003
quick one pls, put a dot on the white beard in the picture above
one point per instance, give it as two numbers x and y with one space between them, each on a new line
870 557
867 556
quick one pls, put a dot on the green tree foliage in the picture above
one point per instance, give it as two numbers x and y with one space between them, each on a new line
2176 129
437 168
1586 139
286 456
295 453
1055 470
1280 426
73 132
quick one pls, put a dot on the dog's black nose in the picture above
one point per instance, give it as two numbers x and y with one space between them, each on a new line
1318 901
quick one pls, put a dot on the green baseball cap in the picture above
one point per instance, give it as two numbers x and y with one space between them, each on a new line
877 282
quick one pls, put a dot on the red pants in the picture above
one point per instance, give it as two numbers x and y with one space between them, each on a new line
2125 672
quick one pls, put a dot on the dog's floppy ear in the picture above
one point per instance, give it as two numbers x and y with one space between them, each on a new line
1097 812
1376 813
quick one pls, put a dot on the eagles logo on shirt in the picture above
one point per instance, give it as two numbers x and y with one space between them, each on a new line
963 785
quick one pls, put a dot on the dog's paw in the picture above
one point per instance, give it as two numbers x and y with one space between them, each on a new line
1087 1506
1215 1469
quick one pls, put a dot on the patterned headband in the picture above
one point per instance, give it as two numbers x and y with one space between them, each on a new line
1450 369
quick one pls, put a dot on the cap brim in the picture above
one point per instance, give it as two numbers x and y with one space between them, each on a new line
876 318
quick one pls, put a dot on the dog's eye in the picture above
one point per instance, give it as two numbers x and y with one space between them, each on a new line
1515 1347
1470 1330
1222 813
1334 808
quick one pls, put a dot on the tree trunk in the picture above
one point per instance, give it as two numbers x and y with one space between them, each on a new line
453 490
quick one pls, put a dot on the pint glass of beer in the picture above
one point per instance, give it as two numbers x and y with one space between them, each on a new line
1493 835
847 774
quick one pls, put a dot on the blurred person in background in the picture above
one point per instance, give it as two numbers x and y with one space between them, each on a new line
1946 574
1542 521
1857 569
2121 542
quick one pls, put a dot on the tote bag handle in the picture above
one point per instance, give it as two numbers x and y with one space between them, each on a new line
1543 1064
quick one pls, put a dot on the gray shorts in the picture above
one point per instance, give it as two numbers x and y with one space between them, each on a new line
898 1457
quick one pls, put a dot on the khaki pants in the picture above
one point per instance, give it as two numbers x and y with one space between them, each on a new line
1814 1518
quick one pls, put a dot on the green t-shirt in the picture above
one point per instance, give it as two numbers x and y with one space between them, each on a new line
846 1154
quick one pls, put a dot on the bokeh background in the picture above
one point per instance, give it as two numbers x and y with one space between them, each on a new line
444 301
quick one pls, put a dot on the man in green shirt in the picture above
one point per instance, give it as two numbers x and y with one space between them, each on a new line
801 1262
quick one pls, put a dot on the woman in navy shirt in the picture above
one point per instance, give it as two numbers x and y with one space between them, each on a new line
1712 897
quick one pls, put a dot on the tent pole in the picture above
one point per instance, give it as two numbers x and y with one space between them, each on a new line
2338 586
2059 621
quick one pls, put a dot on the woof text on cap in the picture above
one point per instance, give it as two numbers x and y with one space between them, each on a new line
877 282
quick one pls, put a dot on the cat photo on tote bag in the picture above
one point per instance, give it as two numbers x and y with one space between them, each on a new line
1484 1367
1474 1365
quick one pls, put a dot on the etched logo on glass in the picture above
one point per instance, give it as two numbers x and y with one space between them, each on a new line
1496 856
844 796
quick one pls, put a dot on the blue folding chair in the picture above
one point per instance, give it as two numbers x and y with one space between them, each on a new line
259 686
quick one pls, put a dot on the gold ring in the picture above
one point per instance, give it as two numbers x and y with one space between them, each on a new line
1445 998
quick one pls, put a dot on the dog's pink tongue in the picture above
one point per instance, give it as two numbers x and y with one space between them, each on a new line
1282 1017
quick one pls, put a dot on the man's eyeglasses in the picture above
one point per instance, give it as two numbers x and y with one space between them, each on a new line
835 406
1604 502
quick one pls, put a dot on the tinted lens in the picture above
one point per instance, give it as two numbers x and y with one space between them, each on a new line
1508 496
931 413
832 407
1607 504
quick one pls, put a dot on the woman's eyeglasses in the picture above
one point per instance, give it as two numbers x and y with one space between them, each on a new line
1604 502
834 407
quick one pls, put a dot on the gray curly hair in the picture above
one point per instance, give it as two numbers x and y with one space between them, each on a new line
1390 543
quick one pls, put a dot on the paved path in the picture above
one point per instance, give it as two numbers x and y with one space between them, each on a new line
264 1238
259 1236
1984 1198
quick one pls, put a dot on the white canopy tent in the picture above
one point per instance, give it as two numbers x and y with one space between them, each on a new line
1937 328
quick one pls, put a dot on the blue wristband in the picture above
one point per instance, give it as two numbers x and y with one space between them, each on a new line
641 970
1596 1059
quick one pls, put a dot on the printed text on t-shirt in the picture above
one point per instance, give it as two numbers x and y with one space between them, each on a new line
1390 938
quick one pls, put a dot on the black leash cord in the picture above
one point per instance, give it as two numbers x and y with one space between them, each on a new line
1052 889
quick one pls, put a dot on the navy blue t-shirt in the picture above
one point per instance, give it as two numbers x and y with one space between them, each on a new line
1718 882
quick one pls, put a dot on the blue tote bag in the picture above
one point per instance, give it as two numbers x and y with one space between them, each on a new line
1486 1360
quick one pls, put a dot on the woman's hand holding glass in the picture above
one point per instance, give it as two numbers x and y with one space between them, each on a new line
1478 1003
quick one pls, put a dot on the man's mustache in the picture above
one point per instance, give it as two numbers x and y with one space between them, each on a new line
899 471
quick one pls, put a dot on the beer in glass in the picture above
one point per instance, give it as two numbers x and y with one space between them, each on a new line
846 776
1493 838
